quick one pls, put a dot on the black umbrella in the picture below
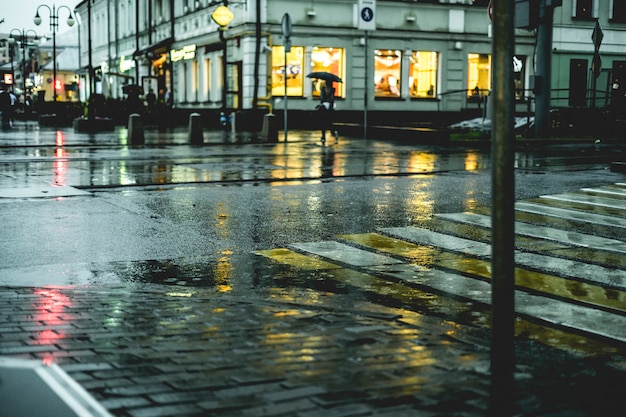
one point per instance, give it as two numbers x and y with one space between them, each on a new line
326 76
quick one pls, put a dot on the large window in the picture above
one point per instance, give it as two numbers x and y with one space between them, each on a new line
387 73
423 74
328 60
293 76
478 74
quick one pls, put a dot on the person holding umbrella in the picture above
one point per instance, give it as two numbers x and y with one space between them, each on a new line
326 108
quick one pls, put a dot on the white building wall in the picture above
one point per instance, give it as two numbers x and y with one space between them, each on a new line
453 30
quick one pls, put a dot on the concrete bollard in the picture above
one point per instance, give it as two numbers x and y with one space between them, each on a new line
194 133
269 131
135 130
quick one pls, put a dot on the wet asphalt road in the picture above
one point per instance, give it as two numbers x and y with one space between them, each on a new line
148 253
89 209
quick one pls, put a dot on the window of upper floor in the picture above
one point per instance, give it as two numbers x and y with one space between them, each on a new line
585 9
617 12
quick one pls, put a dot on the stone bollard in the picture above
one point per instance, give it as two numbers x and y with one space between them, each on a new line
194 133
269 130
135 130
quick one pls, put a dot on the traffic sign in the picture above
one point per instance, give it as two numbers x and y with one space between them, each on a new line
597 36
366 15
286 25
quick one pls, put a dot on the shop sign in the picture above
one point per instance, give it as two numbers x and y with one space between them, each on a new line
126 64
186 52
222 16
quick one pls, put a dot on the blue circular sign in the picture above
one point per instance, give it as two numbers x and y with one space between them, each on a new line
367 14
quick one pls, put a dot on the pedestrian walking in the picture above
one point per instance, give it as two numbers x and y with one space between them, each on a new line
5 107
326 108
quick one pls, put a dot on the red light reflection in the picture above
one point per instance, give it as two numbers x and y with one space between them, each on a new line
60 162
49 311
60 138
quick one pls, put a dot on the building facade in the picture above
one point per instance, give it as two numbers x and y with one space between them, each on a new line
414 56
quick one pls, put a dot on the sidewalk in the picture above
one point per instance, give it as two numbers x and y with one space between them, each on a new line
182 352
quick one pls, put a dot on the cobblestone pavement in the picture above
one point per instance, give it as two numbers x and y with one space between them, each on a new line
172 351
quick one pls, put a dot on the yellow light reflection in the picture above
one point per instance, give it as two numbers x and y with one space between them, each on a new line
421 203
422 162
471 161
223 270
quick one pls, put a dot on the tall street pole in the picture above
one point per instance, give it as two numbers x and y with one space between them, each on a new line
23 39
544 68
54 27
503 215
287 31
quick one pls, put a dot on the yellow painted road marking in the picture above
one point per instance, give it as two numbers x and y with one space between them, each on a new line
289 257
535 281
556 338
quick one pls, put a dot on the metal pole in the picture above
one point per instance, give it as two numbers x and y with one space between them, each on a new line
53 26
366 88
503 216
224 69
544 68
92 77
23 64
285 108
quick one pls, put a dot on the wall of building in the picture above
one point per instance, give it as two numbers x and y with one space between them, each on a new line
458 32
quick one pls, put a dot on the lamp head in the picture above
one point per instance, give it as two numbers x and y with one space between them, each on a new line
37 19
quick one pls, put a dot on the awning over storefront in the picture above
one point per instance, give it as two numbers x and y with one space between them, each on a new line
155 49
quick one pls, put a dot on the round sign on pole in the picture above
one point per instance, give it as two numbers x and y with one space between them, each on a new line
490 10
286 25
222 16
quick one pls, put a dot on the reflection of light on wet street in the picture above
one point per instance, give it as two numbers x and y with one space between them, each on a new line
223 271
60 166
422 161
472 161
420 202
60 161
51 311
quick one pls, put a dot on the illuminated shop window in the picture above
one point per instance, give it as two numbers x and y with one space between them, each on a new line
328 60
295 63
423 74
387 72
478 75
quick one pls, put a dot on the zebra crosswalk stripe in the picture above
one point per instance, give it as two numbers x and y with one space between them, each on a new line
563 293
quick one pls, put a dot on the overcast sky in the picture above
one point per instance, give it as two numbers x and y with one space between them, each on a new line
18 14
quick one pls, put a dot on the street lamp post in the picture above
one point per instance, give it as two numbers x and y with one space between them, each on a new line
23 38
223 16
54 27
